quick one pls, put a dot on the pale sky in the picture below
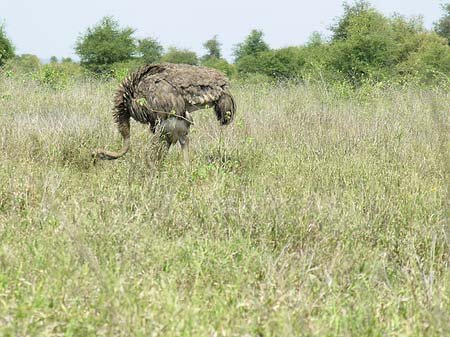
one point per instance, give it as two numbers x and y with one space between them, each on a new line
50 27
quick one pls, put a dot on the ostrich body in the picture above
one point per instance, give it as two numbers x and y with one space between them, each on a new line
163 96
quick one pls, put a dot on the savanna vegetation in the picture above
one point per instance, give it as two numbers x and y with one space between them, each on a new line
364 45
322 210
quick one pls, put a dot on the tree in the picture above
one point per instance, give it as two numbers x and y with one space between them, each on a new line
220 64
283 63
363 45
442 27
105 44
431 60
175 55
407 34
150 50
6 47
213 47
315 39
28 62
25 63
252 45
53 59
341 28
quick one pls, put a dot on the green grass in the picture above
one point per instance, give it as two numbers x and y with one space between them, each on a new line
315 213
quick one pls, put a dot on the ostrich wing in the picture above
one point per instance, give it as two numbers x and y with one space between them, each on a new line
159 95
198 86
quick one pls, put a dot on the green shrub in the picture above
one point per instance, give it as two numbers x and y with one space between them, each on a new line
120 70
363 45
176 55
222 65
431 60
59 75
442 26
280 64
23 64
6 47
406 34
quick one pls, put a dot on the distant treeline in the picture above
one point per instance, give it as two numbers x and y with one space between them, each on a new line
365 45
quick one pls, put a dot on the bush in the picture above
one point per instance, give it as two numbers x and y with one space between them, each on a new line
318 57
222 65
175 55
120 70
442 27
406 35
342 28
363 45
280 64
431 60
59 75
6 47
23 64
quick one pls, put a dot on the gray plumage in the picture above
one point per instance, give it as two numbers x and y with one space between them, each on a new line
164 95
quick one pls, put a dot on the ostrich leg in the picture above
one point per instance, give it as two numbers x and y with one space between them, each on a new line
184 142
162 148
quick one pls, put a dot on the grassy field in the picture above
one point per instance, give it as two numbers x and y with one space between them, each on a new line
316 213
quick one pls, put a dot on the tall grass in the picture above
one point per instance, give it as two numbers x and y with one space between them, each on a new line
317 212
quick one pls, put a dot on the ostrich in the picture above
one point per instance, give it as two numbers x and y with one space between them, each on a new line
163 96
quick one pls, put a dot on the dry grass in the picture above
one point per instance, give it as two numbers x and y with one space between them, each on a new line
315 213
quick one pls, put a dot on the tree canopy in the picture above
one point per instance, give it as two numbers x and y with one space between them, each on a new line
252 45
213 47
6 47
365 45
442 27
176 55
105 44
150 50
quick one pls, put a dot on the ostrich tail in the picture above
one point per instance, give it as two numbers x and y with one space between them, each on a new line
124 129
123 107
225 108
